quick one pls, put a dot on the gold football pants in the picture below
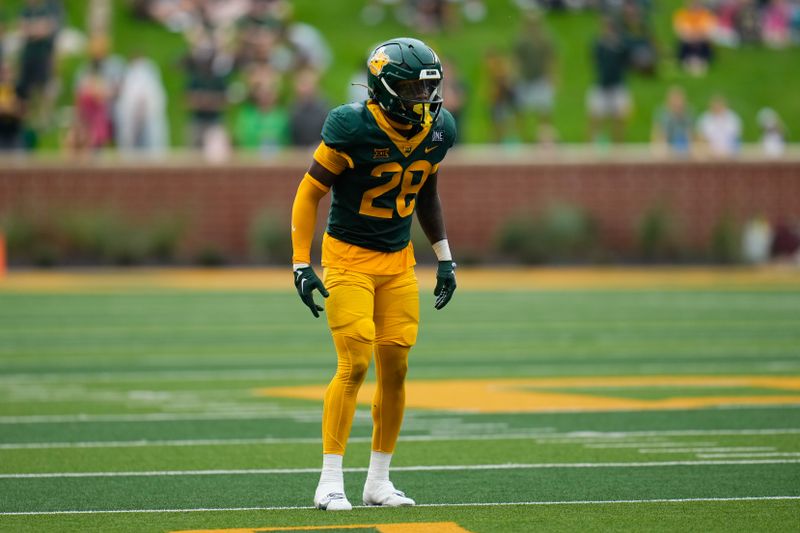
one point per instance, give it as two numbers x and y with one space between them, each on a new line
369 313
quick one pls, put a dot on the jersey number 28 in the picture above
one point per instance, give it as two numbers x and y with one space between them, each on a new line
399 176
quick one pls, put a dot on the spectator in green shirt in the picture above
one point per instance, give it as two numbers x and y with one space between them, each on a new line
262 124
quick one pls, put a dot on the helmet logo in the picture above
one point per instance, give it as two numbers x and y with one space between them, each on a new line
378 60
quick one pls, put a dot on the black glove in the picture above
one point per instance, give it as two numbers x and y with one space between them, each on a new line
305 281
445 283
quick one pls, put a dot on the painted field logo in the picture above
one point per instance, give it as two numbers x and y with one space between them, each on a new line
410 527
626 393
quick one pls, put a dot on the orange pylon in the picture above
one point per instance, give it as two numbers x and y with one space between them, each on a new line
2 255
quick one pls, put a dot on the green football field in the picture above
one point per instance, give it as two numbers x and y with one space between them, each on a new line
147 406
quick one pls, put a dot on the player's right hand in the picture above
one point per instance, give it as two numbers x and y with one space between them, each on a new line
305 281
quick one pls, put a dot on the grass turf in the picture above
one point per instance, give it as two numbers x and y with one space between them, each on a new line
161 383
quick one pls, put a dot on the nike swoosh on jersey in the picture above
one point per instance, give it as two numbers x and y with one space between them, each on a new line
429 149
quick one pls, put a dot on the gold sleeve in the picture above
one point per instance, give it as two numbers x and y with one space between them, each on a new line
334 160
304 217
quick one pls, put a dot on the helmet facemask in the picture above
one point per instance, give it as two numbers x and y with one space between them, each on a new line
420 100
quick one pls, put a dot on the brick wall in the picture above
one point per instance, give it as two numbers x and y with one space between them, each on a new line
618 194
219 202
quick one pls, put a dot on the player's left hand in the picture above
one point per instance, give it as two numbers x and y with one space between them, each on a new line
445 283
305 281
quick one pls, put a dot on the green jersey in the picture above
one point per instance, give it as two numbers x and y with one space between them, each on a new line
374 198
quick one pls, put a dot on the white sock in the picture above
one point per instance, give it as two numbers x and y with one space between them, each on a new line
379 466
331 470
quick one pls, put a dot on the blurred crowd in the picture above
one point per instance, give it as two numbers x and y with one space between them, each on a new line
276 63
426 16
524 80
252 74
699 27
28 80
247 54
716 132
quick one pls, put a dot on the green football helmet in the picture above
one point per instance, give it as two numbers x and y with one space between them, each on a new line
405 78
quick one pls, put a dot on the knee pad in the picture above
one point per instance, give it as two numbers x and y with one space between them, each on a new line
400 335
361 329
408 334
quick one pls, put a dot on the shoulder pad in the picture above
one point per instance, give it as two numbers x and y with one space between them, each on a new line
343 125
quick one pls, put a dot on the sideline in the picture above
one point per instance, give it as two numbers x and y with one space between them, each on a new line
471 278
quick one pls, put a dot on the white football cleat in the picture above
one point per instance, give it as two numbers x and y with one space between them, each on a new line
383 493
331 498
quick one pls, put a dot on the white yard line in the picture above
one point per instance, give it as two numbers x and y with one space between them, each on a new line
475 504
577 435
167 443
541 438
302 373
606 445
164 375
160 417
419 468
738 455
246 442
708 449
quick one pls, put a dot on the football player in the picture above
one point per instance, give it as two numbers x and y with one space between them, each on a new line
380 160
